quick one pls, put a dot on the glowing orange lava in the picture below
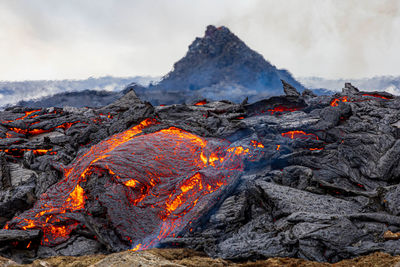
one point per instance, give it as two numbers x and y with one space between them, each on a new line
137 247
16 152
376 95
283 109
313 149
299 135
27 113
154 184
52 204
335 102
130 183
200 103
32 132
255 144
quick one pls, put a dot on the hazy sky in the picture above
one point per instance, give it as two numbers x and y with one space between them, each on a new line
49 39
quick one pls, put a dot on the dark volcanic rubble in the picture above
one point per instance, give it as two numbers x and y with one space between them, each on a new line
314 177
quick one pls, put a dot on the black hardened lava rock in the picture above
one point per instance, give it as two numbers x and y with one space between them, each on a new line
315 177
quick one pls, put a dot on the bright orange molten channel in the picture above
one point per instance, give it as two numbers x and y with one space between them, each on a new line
376 95
299 134
47 210
283 109
335 102
27 114
200 103
164 174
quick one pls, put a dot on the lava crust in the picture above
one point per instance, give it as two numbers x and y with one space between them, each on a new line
314 177
148 186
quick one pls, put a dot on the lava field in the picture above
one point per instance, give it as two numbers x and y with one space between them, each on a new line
299 175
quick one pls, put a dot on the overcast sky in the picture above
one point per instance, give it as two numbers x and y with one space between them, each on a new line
48 39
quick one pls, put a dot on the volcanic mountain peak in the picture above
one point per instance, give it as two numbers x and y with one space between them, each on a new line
216 66
216 41
220 65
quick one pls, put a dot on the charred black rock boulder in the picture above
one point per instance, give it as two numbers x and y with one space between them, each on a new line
289 89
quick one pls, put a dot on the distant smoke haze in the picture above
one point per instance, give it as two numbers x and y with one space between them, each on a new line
389 84
12 92
47 39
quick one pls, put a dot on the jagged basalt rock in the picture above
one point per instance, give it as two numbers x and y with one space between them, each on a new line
289 89
308 93
349 89
313 177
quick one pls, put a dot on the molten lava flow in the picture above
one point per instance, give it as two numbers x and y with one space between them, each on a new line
29 131
68 196
376 95
255 144
27 114
16 152
151 186
299 135
283 109
335 102
200 103
32 132
137 247
278 147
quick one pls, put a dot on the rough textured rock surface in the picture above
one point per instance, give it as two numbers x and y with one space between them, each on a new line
312 177
189 258
290 90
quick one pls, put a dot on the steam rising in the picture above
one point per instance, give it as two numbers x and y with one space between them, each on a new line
75 39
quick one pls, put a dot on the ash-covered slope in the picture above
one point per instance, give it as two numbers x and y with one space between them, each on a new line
314 177
219 66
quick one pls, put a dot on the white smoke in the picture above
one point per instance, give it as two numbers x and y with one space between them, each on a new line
393 90
80 38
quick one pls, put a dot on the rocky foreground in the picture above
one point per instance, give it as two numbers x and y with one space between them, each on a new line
293 176
190 258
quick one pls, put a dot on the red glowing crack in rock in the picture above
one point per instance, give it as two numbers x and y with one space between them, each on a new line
152 185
